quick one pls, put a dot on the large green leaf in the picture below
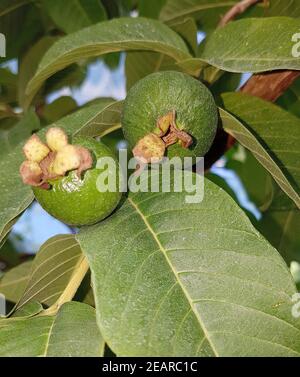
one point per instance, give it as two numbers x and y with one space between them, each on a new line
30 62
31 309
103 119
21 26
53 269
59 108
74 15
15 197
228 82
72 332
172 278
260 189
266 45
72 75
10 256
8 85
187 28
280 224
11 133
290 100
13 282
94 120
209 12
178 9
289 8
8 6
270 133
150 9
108 36
140 64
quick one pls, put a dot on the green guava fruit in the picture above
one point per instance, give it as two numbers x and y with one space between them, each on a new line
158 94
77 201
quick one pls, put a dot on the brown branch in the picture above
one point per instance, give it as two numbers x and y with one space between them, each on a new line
270 85
237 9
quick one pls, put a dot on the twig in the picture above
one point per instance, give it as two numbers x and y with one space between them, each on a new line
237 9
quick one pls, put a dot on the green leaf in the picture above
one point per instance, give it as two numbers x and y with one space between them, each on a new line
268 46
72 76
150 9
209 12
11 133
7 6
15 197
290 100
101 121
13 283
192 66
140 64
189 279
29 64
280 224
9 255
270 133
94 120
31 309
289 8
108 36
85 293
187 28
74 15
228 82
52 270
72 332
260 189
178 9
62 106
8 86
21 27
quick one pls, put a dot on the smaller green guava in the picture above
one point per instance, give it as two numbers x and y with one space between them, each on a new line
65 180
171 108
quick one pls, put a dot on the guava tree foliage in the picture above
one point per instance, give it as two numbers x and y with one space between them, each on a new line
158 276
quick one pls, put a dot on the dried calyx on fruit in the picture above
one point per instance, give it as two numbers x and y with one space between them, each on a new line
152 147
52 160
169 113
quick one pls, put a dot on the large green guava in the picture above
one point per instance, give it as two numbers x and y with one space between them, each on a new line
77 200
160 93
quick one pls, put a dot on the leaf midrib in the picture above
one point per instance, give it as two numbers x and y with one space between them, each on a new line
148 225
48 337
